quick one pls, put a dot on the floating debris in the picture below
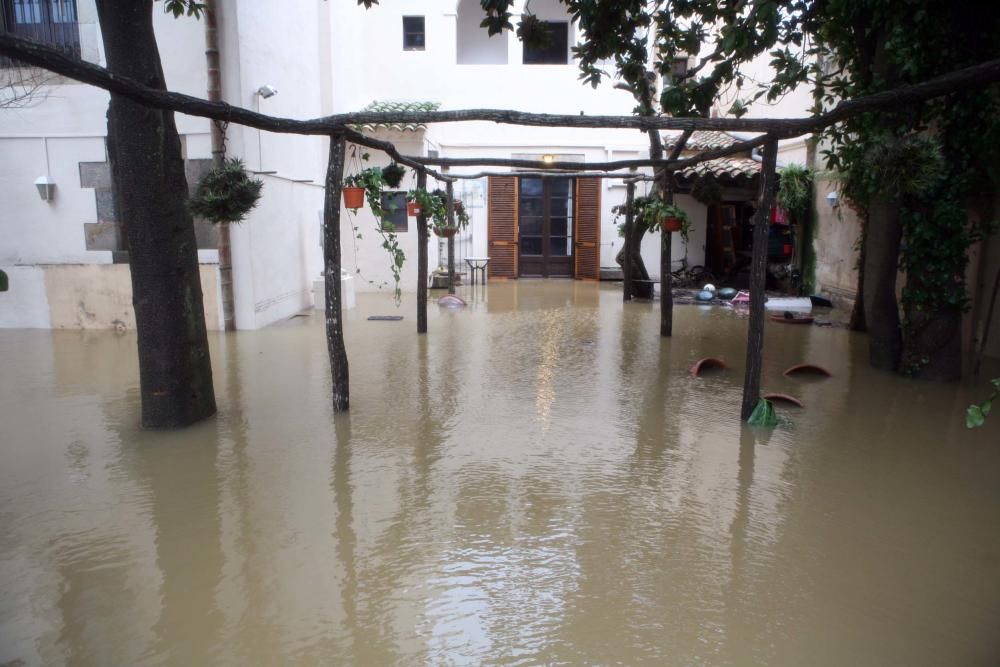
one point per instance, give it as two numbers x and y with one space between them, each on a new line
807 369
385 318
706 364
784 398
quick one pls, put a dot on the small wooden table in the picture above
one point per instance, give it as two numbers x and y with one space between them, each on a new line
477 264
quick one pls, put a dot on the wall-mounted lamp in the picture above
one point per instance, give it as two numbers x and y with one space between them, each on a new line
548 158
46 187
267 91
833 199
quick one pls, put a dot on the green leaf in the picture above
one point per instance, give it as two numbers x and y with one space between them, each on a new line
974 417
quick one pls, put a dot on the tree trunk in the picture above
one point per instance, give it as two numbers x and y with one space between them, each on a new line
626 259
666 280
331 271
933 343
175 372
882 236
758 279
214 71
858 322
451 239
422 261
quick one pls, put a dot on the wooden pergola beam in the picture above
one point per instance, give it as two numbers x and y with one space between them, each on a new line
33 53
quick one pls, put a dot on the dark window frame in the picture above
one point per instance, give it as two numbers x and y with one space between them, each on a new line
556 53
398 217
414 37
48 29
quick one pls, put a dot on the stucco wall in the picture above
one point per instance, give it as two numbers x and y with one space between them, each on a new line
83 296
835 235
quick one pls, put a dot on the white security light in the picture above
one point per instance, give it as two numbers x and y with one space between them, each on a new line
833 199
46 187
267 91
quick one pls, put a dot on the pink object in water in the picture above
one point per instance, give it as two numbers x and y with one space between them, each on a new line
741 297
452 301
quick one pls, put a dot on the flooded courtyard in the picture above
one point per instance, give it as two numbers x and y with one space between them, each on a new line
536 481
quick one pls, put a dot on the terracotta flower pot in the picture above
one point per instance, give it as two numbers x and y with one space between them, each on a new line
412 209
673 224
447 232
354 197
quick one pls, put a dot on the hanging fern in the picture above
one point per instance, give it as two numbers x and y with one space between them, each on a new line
226 194
795 190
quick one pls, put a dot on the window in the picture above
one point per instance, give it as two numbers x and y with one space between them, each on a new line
678 70
555 51
394 203
52 22
413 33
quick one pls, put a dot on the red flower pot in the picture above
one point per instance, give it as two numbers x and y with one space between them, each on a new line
447 232
412 209
672 224
354 197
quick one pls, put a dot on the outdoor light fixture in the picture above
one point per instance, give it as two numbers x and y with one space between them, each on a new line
46 187
833 199
548 158
267 91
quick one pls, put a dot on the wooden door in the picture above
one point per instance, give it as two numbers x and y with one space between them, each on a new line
545 227
588 229
501 225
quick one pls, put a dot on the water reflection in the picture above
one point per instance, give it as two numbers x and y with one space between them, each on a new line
537 480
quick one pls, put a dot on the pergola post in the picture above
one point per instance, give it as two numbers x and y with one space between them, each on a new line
450 189
629 225
331 273
758 278
666 279
422 260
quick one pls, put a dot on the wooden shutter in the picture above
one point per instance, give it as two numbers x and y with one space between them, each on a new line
501 222
588 229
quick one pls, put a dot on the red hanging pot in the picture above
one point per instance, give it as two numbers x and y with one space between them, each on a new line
354 197
412 209
446 232
672 224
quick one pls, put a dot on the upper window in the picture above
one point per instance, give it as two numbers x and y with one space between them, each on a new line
394 205
52 22
555 51
413 33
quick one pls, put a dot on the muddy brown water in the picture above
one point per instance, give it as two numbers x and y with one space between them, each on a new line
536 481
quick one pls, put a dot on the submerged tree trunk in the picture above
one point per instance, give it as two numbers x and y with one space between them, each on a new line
451 239
331 271
666 279
175 372
858 322
882 237
933 343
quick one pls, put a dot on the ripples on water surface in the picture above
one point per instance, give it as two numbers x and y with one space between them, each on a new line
538 480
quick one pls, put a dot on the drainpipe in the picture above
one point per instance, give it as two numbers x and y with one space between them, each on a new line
218 156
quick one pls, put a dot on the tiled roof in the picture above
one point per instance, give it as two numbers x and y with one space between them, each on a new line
701 140
396 107
734 168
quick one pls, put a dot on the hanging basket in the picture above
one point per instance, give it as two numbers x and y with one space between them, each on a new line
354 197
412 209
672 224
446 232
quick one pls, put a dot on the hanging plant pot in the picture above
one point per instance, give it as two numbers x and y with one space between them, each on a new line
672 224
446 232
354 197
412 209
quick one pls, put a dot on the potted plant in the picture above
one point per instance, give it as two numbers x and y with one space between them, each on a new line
368 182
393 175
673 218
226 194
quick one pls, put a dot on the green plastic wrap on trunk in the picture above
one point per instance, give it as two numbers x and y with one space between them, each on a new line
763 414
4 283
